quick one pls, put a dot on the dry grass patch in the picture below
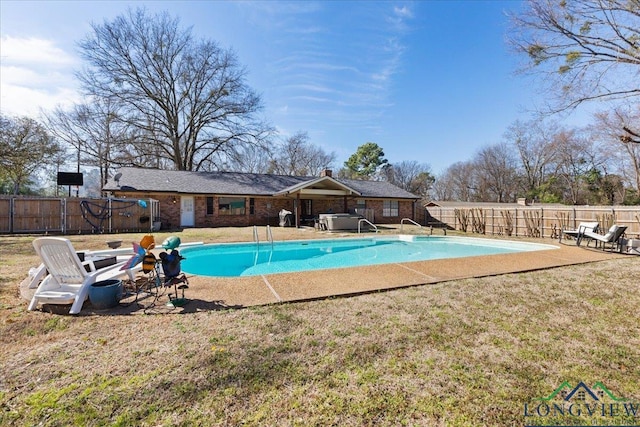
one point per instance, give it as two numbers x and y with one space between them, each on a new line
465 352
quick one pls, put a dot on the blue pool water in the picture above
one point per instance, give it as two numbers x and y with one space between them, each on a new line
249 259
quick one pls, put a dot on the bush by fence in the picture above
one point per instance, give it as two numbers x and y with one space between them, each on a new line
76 215
532 221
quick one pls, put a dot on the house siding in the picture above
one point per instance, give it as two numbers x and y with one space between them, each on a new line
265 212
405 210
266 209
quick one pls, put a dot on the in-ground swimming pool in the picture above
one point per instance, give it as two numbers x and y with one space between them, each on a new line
250 259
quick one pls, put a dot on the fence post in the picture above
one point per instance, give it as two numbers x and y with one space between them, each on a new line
493 222
11 213
63 215
109 201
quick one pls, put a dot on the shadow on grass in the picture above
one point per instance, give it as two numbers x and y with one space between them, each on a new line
147 305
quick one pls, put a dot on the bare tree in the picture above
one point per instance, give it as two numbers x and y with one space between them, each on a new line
442 188
245 158
577 156
586 49
457 182
187 97
25 148
412 176
496 172
617 129
297 156
97 135
533 142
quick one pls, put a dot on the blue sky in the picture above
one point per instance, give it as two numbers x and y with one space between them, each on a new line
430 81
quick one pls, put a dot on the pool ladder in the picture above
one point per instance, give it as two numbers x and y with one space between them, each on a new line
256 239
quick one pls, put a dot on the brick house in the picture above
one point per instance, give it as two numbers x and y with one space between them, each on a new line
223 199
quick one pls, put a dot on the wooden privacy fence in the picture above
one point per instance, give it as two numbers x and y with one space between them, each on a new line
532 221
77 215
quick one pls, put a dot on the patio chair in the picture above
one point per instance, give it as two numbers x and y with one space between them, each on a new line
68 280
612 237
577 234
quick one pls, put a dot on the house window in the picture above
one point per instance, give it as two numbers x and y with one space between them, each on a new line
361 204
231 206
390 208
306 207
252 206
209 205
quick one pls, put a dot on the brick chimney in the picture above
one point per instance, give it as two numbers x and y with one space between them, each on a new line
326 172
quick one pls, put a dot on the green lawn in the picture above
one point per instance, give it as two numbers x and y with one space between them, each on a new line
476 352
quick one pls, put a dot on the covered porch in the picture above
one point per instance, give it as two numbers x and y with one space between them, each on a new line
323 195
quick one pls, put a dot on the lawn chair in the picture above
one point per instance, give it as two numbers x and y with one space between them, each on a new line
68 280
577 233
612 238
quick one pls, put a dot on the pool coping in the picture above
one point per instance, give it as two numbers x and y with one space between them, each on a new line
206 293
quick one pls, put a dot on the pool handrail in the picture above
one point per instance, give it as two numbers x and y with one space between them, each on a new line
255 236
410 220
368 222
270 235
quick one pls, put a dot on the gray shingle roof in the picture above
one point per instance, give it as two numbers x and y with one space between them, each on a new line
378 189
233 183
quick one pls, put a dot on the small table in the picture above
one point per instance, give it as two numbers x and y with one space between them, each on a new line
630 246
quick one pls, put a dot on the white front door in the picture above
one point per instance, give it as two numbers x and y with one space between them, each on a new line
187 212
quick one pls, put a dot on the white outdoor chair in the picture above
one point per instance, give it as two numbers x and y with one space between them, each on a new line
68 280
612 237
577 234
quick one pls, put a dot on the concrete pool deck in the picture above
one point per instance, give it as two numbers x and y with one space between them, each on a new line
238 292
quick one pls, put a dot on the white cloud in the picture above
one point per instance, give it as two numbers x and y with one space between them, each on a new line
35 74
283 15
309 88
34 51
399 17
306 30
403 12
333 65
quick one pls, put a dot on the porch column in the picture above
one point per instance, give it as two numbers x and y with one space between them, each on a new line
345 204
298 210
